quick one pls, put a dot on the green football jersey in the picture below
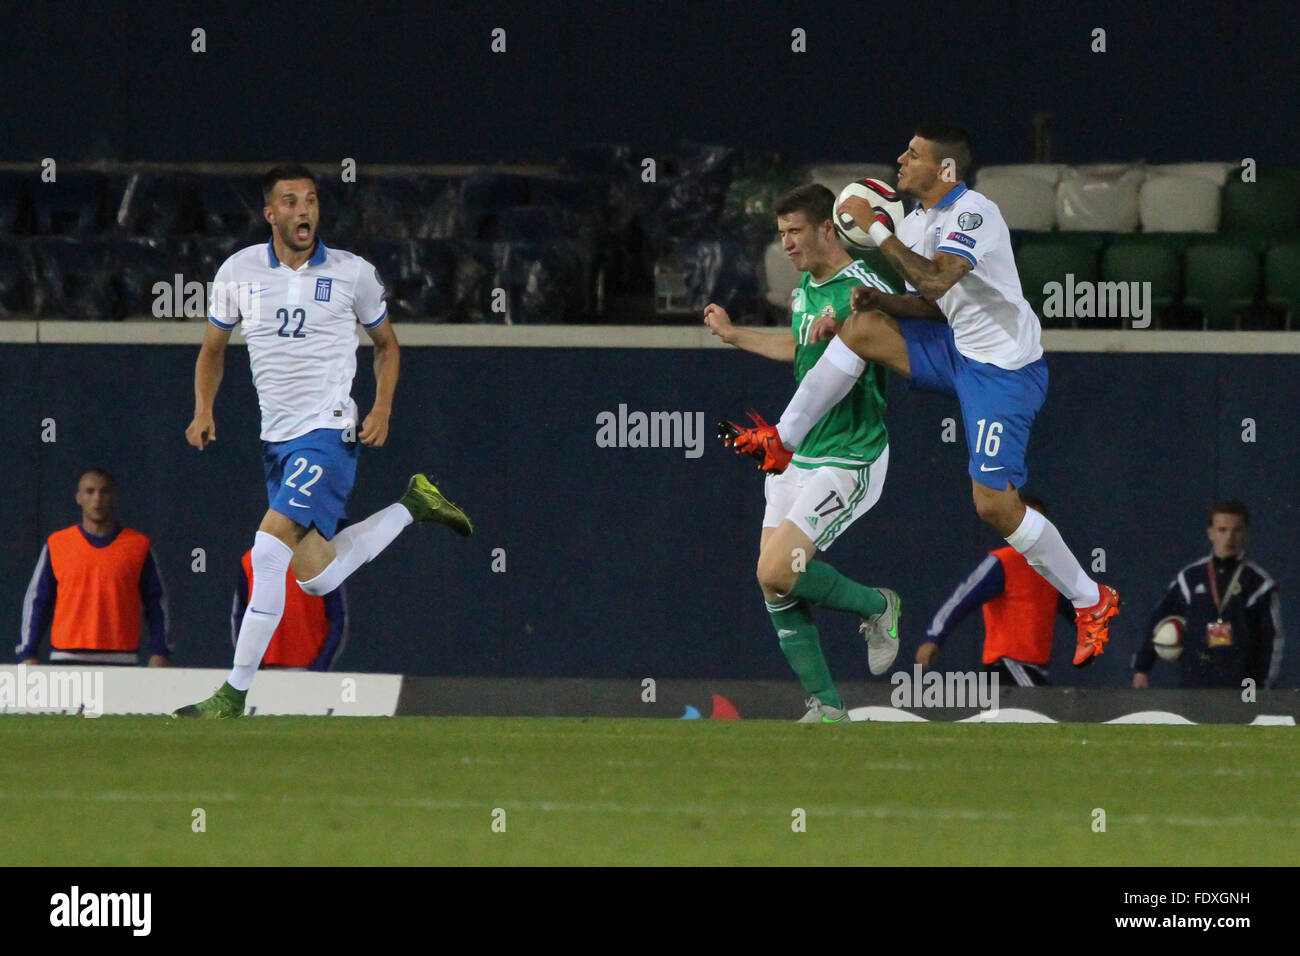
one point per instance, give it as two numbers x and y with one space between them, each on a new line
852 434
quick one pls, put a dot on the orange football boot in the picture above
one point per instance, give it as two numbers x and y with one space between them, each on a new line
1094 625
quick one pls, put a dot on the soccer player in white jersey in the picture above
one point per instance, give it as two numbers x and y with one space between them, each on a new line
299 303
963 329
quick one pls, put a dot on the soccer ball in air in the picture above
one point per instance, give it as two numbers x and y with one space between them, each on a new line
883 200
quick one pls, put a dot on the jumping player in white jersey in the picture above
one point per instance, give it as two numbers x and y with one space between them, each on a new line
963 329
299 303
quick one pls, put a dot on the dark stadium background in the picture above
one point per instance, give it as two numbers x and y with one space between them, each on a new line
389 82
639 563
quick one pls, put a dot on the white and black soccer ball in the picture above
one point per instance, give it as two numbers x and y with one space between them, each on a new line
883 200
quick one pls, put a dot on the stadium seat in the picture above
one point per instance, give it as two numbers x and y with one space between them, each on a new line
544 281
1049 173
1143 261
74 279
75 204
403 207
158 206
340 212
1216 173
749 208
1221 280
1178 204
721 272
484 195
1026 202
15 203
1282 279
138 264
202 255
15 279
1268 206
780 277
1098 202
1052 260
1135 172
835 176
418 274
232 207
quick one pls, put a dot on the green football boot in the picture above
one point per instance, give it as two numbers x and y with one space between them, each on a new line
225 704
426 503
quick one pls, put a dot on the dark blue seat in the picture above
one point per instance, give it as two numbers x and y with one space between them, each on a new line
159 206
74 278
139 264
15 278
232 206
15 202
75 204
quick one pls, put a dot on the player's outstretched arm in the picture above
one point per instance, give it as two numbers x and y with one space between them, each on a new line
930 277
774 345
208 370
374 430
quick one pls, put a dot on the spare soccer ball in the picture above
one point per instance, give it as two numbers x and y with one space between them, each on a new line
883 200
1168 638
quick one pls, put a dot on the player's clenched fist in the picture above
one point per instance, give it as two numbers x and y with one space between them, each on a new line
719 323
201 431
867 299
374 430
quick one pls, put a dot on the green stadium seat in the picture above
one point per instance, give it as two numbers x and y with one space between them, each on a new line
1145 260
1282 279
1269 206
1221 280
1041 261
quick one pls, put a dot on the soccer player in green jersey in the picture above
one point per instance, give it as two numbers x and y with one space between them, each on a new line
840 469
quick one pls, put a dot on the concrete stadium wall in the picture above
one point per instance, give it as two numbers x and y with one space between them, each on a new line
635 562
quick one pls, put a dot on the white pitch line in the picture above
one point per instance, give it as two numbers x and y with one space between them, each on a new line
867 812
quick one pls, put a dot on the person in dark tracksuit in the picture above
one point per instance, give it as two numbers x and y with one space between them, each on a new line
1228 609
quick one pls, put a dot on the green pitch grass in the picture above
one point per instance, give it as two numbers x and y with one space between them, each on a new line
123 790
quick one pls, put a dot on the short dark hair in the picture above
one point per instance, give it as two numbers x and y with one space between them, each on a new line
1229 506
950 142
108 478
812 199
280 173
1035 502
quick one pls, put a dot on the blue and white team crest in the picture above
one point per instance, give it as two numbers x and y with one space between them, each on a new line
323 289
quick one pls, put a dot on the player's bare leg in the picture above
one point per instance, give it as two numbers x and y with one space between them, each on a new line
791 578
1033 535
875 337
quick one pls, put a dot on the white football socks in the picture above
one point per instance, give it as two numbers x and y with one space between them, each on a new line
1045 550
825 384
357 544
271 558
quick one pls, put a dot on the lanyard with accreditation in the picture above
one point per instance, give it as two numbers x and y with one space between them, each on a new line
1219 633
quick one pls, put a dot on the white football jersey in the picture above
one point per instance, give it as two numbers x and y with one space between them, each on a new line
300 326
991 321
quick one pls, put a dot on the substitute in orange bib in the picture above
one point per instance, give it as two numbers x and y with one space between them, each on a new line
1020 609
94 584
312 632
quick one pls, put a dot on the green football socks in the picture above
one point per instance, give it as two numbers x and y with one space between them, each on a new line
802 648
824 586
